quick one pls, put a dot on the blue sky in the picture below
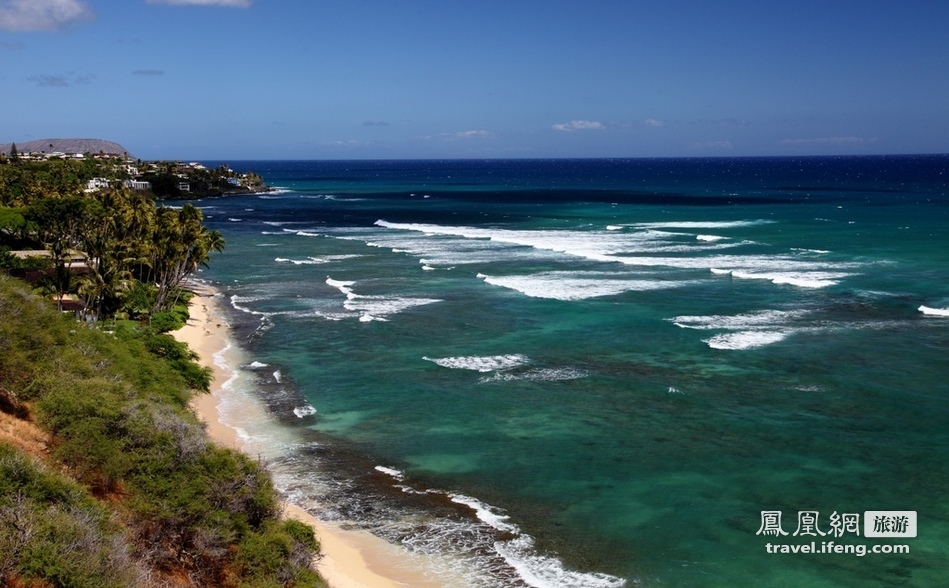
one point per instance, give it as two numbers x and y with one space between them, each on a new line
355 79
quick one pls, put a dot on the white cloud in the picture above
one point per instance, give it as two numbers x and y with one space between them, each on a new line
234 3
41 15
830 141
473 134
460 135
654 122
578 125
714 146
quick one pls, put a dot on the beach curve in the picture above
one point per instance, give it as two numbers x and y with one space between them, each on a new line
348 558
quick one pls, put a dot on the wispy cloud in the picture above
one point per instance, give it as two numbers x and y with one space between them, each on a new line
654 122
42 15
579 125
148 72
831 141
721 122
11 46
460 135
473 134
375 123
228 3
713 146
61 81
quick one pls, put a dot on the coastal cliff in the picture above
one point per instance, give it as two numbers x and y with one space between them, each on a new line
106 477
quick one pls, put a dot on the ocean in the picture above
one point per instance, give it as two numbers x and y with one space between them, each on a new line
601 373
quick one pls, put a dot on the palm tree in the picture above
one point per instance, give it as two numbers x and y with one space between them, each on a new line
182 244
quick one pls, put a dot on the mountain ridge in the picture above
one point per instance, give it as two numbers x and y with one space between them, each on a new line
66 146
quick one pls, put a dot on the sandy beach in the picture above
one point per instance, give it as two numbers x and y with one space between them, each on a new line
349 558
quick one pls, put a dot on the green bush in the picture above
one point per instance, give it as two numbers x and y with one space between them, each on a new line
164 322
53 533
180 358
277 555
116 405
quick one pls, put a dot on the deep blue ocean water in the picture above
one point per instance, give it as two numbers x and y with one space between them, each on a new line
591 372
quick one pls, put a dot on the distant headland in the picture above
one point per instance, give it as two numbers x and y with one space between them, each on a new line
102 164
68 147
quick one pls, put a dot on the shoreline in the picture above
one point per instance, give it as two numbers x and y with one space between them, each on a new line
348 558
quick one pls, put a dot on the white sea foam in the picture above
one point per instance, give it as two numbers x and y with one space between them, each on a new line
537 375
747 339
748 331
375 307
397 474
759 319
801 279
606 246
284 223
304 411
928 311
257 365
575 285
481 363
647 246
704 224
485 513
378 308
344 287
278 377
444 250
316 260
239 303
546 572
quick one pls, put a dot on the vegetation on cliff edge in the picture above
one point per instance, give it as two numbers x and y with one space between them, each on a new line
130 492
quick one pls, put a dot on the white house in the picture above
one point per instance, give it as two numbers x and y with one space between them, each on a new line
138 184
96 184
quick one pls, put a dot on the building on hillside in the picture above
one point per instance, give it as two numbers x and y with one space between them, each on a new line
138 184
97 184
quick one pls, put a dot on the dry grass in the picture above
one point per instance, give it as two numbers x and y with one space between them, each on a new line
25 436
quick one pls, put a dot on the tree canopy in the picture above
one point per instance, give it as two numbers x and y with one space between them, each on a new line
103 245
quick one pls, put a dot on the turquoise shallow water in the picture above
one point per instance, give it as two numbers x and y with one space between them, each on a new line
580 373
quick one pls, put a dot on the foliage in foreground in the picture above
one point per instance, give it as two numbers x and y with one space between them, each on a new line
155 499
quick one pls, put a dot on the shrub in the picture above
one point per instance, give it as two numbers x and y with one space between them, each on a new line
278 555
164 322
53 533
116 405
